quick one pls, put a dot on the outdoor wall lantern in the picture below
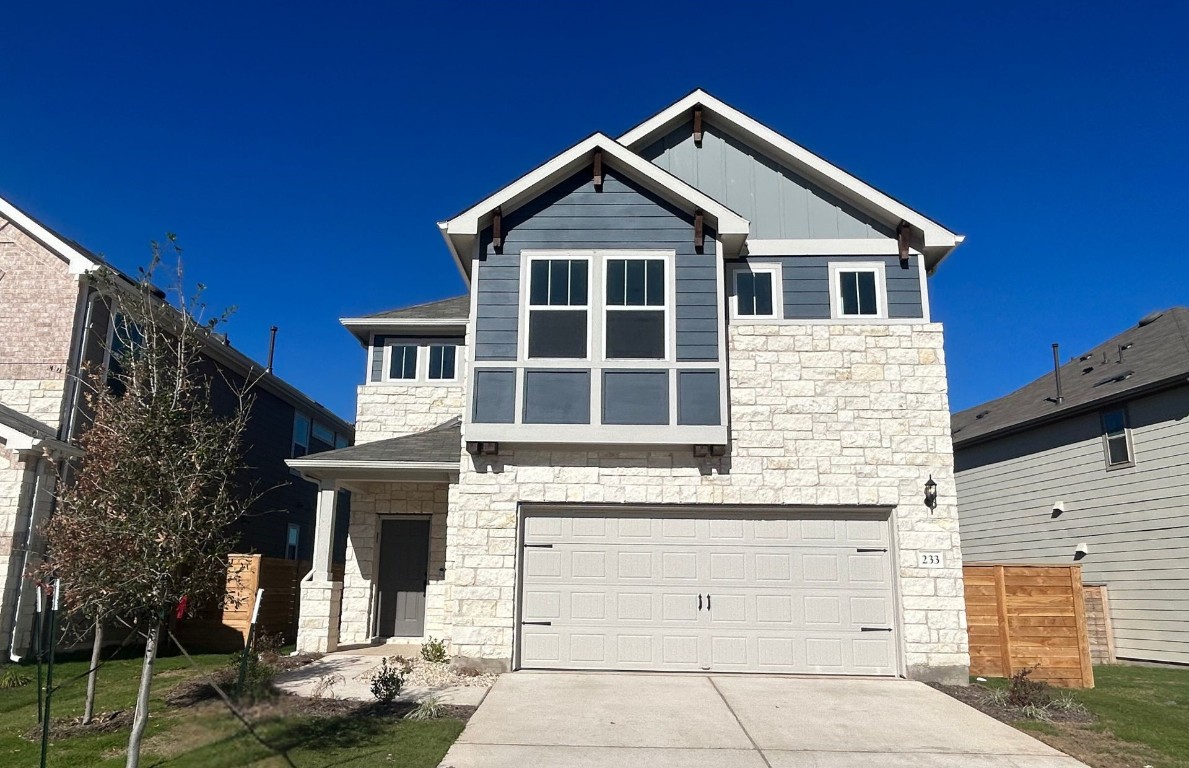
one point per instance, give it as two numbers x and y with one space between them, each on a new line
931 494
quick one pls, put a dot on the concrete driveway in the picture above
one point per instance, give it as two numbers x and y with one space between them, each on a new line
689 721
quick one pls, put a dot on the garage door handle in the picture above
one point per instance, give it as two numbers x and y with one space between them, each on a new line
699 602
538 546
875 629
538 624
871 549
707 601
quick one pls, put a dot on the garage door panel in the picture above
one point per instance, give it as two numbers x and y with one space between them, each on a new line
780 594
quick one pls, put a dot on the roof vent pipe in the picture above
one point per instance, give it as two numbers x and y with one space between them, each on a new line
1057 372
272 347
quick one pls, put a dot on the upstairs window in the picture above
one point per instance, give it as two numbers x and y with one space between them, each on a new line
559 308
857 290
301 435
441 362
636 309
292 540
757 291
402 362
1116 437
322 438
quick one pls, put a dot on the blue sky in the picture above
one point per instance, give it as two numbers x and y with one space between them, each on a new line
303 152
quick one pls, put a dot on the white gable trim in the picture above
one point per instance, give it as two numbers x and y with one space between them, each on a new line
936 239
460 232
79 263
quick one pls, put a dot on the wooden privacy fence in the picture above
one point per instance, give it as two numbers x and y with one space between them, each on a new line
1028 616
227 628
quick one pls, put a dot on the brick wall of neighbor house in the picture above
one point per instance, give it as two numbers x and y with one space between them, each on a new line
820 414
391 409
38 298
359 576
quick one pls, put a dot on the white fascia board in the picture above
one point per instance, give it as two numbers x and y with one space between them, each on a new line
729 225
329 464
825 247
362 327
794 155
79 263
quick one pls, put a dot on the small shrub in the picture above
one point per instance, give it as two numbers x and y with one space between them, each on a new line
1025 692
996 697
325 686
428 708
259 670
1067 702
1037 712
434 651
12 678
404 665
387 682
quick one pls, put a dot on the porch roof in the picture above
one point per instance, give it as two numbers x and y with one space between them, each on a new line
431 455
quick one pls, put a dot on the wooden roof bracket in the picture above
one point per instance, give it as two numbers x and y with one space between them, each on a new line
698 125
598 170
497 229
903 239
699 234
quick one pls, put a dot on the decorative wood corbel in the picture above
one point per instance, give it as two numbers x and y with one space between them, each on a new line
698 125
497 230
903 239
598 170
699 235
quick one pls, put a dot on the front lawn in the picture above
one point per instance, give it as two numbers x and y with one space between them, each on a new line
206 734
1141 719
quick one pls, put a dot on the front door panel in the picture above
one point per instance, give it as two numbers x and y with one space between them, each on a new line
402 578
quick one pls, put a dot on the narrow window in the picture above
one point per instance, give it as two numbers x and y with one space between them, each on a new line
636 309
753 293
301 435
402 362
322 438
292 540
558 308
441 361
1117 438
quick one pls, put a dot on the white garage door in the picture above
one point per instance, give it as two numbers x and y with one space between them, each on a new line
726 592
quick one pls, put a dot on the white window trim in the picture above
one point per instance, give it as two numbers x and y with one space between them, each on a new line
388 347
881 289
772 268
1106 439
666 308
526 272
457 363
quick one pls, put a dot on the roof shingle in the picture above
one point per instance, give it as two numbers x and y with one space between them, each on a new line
443 443
454 308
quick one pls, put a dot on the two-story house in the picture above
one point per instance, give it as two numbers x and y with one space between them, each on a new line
56 322
1090 464
685 418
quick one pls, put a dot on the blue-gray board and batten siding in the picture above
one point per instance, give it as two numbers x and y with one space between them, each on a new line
573 215
806 284
780 204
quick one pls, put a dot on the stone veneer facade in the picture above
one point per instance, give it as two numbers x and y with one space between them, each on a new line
821 414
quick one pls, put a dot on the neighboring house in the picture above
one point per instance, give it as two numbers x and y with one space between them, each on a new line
54 320
683 419
1097 475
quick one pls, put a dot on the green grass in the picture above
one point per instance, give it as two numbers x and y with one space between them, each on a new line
207 735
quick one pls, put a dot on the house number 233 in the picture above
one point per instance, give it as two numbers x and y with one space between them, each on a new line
930 560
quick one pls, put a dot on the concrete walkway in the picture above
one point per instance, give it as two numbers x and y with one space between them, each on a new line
695 721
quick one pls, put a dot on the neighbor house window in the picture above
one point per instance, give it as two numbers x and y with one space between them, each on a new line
322 438
757 291
636 309
442 361
402 361
292 540
1117 437
559 308
301 435
857 290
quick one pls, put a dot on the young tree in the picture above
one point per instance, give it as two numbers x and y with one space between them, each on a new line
146 519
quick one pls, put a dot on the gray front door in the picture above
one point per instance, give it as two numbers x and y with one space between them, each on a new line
403 576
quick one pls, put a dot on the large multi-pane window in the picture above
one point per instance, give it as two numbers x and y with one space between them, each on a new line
635 322
559 308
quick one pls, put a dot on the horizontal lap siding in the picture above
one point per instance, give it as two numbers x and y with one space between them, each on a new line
806 284
1135 521
779 203
574 216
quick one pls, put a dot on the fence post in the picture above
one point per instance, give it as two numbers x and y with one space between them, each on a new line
1079 622
1004 630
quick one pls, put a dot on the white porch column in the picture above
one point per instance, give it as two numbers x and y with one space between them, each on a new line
321 595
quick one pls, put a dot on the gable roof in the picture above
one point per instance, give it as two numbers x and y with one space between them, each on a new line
445 315
1155 355
935 240
461 232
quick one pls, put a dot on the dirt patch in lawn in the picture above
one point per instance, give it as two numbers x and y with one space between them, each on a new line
1075 731
63 728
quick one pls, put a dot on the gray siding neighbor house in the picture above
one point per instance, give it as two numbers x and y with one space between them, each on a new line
55 322
1099 475
681 420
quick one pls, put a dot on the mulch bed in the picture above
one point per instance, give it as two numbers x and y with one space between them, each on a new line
104 722
976 696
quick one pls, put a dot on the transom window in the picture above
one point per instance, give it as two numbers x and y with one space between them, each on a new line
857 290
757 291
559 308
636 309
1117 437
402 361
